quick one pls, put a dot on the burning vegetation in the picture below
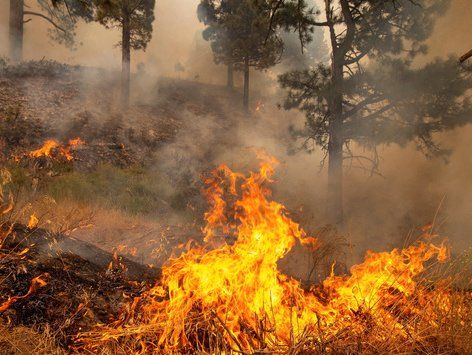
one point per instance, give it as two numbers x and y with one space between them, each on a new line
53 149
227 294
232 297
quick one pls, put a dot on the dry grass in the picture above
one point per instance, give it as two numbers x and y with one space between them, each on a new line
208 335
23 340
435 319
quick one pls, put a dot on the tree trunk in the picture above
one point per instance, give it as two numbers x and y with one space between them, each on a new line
125 59
16 30
230 83
335 146
246 85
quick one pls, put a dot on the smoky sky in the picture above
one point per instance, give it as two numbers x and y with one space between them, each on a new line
177 33
176 30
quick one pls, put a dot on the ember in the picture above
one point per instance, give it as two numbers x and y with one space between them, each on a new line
259 106
33 221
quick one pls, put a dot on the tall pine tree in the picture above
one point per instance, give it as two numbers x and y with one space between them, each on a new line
245 34
370 92
135 19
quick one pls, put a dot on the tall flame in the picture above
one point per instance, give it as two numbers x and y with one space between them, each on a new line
237 288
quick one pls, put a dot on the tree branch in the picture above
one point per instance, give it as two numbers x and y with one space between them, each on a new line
277 6
332 31
465 56
370 100
357 58
272 16
32 13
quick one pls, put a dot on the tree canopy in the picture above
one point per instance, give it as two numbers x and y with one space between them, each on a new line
247 33
63 15
139 14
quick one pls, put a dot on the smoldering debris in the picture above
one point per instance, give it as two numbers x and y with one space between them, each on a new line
74 292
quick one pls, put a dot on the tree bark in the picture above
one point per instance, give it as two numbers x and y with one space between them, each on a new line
335 153
335 107
125 59
16 30
230 83
246 85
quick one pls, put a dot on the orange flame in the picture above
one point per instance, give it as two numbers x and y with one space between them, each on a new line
76 142
240 287
51 146
36 283
33 221
45 150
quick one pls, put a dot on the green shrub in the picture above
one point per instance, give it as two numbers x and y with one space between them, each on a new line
131 190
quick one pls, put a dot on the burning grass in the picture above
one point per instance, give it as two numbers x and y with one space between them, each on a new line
232 298
52 149
228 296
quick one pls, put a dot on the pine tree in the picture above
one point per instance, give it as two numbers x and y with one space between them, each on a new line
245 34
135 18
370 93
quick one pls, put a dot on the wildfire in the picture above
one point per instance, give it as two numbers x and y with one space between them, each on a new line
52 147
45 150
237 291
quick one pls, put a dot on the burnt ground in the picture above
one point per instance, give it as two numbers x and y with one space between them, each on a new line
64 102
77 293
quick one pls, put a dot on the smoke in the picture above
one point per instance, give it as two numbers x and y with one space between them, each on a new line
380 210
